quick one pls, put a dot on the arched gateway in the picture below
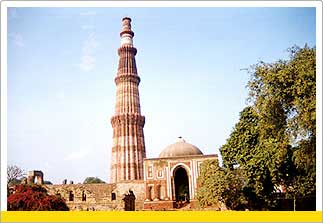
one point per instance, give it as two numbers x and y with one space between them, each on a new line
181 184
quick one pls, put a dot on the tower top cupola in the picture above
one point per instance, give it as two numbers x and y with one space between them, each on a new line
126 34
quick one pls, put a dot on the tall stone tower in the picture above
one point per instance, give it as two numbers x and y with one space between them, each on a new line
128 150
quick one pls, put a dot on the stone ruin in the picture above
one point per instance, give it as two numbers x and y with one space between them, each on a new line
35 175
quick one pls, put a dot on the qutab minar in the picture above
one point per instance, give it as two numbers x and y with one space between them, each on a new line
166 182
128 150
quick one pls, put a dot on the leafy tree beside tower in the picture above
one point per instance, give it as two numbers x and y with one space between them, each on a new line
274 143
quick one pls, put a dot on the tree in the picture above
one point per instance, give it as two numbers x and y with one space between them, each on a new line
240 146
284 94
211 183
93 180
216 184
234 194
14 175
274 141
34 198
244 154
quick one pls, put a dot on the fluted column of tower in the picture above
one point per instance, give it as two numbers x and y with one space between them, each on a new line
128 150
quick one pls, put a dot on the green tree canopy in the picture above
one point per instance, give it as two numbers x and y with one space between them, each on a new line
93 180
211 183
284 95
274 141
218 185
244 152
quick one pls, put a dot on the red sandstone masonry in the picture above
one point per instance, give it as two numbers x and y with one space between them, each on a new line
128 150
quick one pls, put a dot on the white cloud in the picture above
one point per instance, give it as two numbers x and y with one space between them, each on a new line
17 39
87 63
90 44
87 58
77 155
88 13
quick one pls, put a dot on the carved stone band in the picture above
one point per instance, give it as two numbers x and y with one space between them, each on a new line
128 119
127 78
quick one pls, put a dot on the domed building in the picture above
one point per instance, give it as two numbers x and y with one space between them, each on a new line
171 179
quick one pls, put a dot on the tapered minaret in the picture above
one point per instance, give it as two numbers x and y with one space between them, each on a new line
128 150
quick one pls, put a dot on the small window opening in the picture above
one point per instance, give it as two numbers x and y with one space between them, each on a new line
83 196
71 196
113 196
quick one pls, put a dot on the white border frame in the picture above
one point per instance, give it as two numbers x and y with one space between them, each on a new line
6 4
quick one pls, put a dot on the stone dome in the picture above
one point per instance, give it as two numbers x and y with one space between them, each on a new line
180 148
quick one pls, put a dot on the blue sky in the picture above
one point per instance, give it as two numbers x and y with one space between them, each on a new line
62 63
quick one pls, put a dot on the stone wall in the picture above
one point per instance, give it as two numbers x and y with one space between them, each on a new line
88 197
137 186
159 205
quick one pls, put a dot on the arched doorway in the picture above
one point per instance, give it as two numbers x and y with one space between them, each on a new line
181 183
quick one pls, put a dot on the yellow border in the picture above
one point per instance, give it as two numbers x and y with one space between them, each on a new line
161 216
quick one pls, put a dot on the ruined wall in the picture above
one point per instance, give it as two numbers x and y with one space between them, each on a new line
137 186
88 197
